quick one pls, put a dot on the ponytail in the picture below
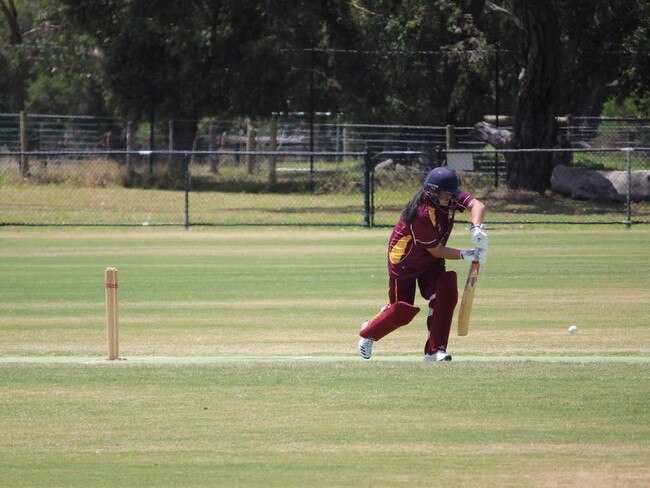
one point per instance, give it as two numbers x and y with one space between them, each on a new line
410 212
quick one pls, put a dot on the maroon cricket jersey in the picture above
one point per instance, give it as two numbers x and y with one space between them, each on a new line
407 249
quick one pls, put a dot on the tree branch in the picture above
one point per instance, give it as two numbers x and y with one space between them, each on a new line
9 10
363 9
492 8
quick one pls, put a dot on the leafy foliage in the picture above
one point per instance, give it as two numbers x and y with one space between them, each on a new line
413 61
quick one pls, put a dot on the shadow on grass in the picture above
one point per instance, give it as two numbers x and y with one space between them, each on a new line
316 184
503 200
346 209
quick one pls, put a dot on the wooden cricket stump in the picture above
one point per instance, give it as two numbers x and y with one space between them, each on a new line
112 323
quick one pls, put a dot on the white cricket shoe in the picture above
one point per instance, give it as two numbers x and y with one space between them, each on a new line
365 345
439 355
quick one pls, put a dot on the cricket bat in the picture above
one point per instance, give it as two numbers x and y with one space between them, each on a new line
468 298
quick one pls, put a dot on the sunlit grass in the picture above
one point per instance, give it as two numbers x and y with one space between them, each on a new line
286 293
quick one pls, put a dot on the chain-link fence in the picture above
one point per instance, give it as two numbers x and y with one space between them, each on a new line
182 188
586 186
308 188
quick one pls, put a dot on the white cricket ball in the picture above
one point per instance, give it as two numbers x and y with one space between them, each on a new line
573 329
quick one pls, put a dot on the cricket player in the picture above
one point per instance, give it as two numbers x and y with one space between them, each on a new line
417 251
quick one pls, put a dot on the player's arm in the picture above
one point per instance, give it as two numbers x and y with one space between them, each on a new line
444 252
477 212
476 231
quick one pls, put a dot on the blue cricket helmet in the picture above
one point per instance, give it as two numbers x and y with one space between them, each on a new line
442 179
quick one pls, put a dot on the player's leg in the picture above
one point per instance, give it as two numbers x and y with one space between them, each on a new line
399 312
442 303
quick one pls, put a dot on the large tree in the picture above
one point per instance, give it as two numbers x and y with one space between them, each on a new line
535 125
585 51
181 61
46 67
430 63
600 52
413 61
13 62
188 60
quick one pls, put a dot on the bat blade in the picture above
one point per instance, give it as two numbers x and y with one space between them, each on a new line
468 299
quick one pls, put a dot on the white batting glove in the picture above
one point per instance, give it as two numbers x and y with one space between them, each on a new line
467 254
479 255
479 236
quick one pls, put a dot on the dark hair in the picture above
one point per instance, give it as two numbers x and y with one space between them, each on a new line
410 212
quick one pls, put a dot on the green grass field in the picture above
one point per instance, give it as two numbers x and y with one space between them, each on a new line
94 192
241 369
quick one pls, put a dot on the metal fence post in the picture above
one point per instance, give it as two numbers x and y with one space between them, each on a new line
152 146
186 162
273 128
24 144
497 103
629 187
372 195
367 190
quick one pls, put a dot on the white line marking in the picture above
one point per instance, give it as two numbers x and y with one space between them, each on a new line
324 358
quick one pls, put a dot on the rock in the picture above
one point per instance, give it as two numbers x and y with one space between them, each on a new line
584 184
387 164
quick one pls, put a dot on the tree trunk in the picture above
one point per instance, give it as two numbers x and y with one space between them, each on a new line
11 15
183 134
18 75
535 126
